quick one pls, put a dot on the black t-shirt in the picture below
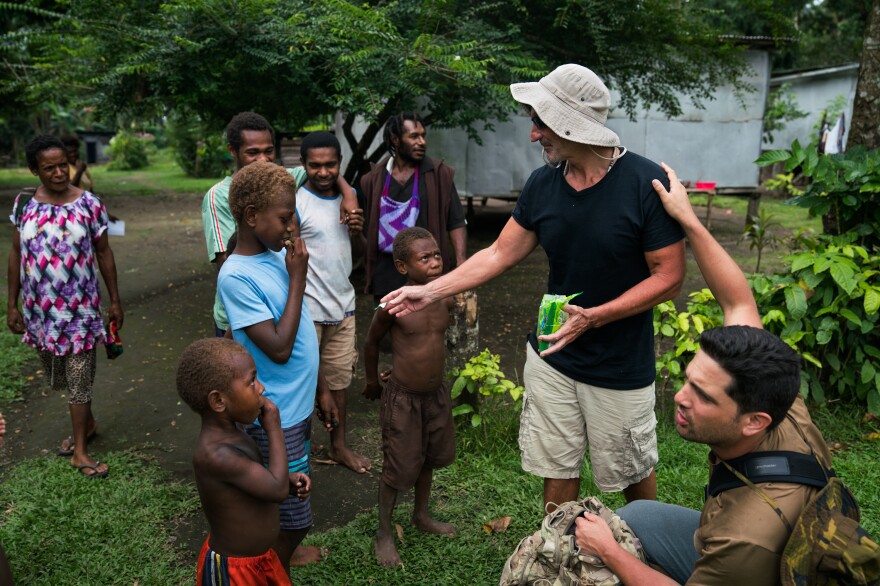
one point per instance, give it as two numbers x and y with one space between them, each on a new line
596 240
385 276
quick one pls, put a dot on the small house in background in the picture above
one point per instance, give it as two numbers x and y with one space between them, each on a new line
94 145
814 90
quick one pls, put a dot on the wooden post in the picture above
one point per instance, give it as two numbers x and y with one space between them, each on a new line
463 334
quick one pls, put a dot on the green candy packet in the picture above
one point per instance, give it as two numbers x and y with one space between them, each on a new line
551 317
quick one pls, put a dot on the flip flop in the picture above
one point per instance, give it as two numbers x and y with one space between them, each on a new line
67 452
96 474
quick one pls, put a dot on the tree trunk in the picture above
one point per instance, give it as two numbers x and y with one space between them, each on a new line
463 334
865 129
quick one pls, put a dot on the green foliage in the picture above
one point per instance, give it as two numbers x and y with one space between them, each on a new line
758 233
826 307
781 108
677 331
481 377
843 190
199 151
784 181
296 61
128 151
60 528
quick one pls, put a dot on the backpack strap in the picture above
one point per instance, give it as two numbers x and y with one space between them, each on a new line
776 466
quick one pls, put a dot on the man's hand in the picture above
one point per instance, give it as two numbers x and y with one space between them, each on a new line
269 414
328 413
675 201
593 535
372 391
407 300
580 319
15 321
297 260
300 485
355 221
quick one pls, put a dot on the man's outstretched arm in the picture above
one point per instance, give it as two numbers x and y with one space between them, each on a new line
722 274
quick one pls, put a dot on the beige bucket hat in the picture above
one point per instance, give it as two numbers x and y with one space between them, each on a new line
573 102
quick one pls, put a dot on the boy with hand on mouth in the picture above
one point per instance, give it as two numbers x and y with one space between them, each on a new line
418 434
218 379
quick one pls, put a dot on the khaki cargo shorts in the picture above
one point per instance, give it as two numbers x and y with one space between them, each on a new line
339 356
561 416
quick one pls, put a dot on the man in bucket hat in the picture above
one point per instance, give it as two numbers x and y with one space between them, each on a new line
594 212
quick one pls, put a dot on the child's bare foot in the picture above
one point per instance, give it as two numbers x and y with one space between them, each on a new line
350 460
386 551
429 525
304 555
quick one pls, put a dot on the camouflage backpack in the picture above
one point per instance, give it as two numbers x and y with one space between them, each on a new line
826 544
549 556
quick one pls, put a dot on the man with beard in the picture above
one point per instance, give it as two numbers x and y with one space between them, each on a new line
740 397
409 189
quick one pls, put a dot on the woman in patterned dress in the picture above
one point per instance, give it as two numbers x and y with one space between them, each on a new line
61 234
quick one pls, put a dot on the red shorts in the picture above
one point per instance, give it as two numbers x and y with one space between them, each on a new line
220 570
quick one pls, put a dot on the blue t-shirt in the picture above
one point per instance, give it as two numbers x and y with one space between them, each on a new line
596 240
254 289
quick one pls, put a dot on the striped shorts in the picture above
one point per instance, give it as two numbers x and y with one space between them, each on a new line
295 514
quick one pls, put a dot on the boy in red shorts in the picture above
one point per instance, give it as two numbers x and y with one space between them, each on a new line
217 378
416 411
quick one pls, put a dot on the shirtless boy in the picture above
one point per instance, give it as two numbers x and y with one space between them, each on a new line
416 411
217 378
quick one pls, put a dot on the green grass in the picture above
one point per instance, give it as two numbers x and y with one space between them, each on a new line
61 528
791 218
13 357
163 175
486 482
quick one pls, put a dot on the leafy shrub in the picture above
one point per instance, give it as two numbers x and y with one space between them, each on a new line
826 306
481 377
844 188
681 328
128 152
199 151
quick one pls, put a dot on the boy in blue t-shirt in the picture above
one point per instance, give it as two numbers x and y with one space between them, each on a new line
261 285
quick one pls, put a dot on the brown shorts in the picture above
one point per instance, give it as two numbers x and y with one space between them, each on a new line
417 433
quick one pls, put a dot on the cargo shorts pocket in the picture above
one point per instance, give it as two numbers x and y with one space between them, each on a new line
525 423
641 447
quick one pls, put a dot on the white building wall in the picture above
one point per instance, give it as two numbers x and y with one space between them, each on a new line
814 91
719 143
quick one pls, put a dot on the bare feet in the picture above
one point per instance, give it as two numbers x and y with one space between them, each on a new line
304 555
350 460
429 525
386 551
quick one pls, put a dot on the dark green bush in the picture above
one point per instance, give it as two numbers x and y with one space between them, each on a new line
128 151
199 151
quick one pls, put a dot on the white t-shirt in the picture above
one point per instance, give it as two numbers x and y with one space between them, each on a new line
329 294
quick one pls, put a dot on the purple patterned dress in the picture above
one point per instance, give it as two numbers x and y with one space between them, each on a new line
60 296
